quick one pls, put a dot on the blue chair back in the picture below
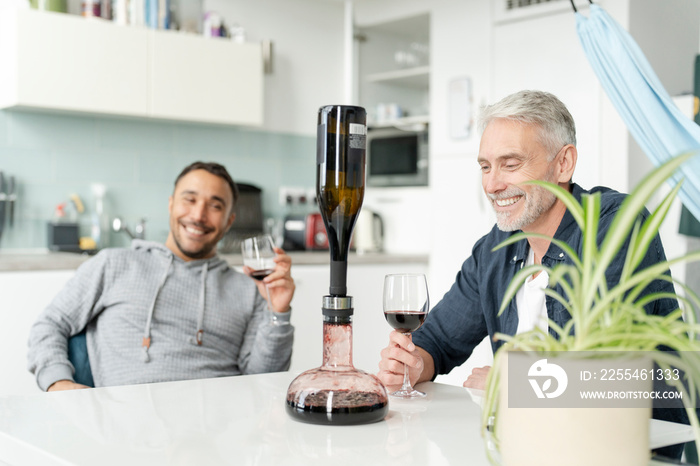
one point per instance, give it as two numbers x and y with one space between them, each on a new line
78 356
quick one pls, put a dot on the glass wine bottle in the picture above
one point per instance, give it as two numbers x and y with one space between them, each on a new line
340 181
336 393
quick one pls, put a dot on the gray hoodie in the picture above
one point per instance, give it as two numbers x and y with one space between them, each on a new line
152 317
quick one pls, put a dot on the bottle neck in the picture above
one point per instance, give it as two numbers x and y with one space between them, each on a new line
337 342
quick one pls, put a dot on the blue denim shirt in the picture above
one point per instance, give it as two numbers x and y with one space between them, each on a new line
468 311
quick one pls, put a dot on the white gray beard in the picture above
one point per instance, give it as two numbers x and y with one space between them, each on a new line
537 202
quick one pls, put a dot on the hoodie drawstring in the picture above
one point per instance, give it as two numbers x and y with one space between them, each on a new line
197 340
146 342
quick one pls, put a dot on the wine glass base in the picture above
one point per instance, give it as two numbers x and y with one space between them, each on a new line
412 393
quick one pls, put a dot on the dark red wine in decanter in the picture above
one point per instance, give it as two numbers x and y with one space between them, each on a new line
336 393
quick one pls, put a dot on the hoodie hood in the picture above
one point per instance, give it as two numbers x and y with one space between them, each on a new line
161 249
170 260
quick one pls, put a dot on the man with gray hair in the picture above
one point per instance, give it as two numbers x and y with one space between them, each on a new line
529 135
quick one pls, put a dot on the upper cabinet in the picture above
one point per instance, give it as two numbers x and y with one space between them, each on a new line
59 62
208 80
394 71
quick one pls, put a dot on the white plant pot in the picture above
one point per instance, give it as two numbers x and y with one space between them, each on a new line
573 436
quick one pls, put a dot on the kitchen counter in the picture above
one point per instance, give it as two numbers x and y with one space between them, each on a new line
239 420
41 259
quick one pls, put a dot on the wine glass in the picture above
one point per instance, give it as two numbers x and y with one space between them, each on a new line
406 305
259 254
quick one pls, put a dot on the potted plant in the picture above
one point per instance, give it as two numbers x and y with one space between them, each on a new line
603 318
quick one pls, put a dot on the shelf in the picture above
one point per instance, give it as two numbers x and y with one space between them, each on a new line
411 77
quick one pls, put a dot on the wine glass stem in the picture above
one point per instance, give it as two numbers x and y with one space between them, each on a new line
406 378
267 292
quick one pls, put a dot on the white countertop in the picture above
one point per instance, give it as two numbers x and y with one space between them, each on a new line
231 420
242 421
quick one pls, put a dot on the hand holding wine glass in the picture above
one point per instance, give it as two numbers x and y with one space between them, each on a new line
406 306
259 255
271 268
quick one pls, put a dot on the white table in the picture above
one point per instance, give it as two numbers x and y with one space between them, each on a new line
233 420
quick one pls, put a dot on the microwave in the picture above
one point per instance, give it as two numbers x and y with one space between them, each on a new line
397 157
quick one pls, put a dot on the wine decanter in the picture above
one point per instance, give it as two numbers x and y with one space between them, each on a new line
336 393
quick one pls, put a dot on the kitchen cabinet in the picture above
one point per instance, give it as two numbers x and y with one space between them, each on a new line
394 68
209 80
25 295
56 61
59 62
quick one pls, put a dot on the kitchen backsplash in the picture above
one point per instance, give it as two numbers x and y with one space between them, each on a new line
55 156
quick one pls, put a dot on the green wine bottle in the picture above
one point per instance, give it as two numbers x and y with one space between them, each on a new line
340 176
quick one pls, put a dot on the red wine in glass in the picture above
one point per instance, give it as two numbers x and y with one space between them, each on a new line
260 274
405 321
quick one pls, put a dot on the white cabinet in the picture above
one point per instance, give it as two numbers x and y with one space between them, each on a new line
209 80
25 295
394 68
59 62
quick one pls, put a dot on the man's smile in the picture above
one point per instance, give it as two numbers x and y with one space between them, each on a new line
508 201
196 230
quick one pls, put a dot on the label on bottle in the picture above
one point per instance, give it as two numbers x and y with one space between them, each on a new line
356 128
358 136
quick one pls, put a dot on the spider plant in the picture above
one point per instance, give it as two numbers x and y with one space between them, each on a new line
609 319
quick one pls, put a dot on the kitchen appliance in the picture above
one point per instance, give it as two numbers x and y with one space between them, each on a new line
304 232
397 157
249 219
369 232
336 393
63 236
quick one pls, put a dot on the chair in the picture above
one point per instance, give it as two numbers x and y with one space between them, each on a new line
78 356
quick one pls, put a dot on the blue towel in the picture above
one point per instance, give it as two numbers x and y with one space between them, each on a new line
655 122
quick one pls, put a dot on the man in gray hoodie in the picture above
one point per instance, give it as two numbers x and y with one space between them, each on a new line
157 312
